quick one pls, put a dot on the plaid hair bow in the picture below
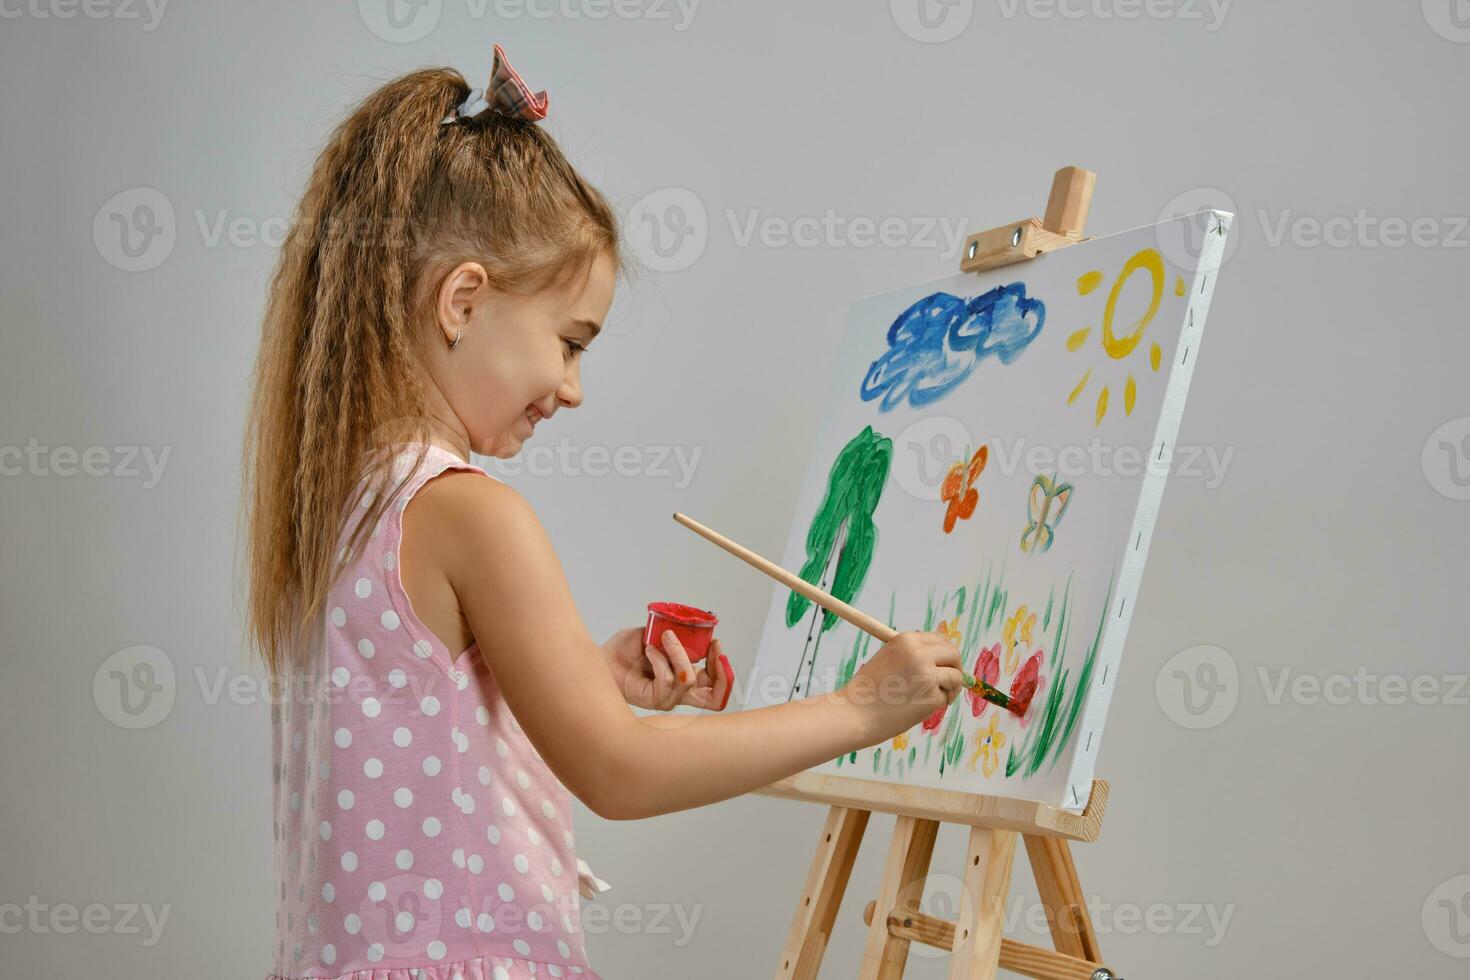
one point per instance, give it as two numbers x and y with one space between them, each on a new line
507 93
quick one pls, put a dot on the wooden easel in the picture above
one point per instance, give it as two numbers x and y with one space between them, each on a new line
894 920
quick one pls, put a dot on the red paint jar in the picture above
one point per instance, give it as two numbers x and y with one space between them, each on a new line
694 627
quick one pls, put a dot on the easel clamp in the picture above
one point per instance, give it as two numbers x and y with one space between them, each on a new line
1066 216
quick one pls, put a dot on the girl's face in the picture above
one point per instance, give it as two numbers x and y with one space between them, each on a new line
519 359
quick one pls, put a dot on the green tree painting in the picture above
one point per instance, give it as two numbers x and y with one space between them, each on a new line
842 528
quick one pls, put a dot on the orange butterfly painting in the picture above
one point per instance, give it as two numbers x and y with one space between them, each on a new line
959 488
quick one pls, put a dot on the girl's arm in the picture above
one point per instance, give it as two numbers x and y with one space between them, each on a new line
511 589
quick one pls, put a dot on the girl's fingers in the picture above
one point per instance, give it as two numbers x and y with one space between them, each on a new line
663 676
677 681
723 680
666 685
708 678
684 673
715 683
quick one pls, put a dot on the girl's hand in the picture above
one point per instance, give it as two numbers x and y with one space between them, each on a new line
662 679
909 676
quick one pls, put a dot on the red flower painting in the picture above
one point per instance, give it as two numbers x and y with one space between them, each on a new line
1028 681
987 668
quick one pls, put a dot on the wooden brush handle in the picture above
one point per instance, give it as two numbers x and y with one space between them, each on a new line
881 631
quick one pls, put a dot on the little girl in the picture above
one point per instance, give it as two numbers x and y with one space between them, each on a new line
444 276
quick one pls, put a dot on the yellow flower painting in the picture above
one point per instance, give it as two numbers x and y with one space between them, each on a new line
988 743
1016 635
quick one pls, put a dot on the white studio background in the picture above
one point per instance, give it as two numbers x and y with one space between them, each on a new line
1286 744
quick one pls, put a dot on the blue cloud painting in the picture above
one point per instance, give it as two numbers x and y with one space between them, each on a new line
935 343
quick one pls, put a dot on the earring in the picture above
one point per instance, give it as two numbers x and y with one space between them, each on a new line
458 336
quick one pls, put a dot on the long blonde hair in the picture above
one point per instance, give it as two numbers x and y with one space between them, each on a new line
394 202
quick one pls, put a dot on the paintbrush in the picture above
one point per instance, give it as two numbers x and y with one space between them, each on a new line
875 628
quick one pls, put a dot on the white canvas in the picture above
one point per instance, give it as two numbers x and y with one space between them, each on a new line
1035 578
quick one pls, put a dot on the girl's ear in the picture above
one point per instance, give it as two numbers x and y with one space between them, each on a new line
461 290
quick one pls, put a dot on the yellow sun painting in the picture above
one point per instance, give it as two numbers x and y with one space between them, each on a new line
1118 348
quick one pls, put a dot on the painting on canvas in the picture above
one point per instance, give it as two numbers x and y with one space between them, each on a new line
989 465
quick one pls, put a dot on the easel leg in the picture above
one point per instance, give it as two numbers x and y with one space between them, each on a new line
987 882
907 866
820 897
1061 894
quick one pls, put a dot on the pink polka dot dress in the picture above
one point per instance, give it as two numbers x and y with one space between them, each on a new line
419 835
